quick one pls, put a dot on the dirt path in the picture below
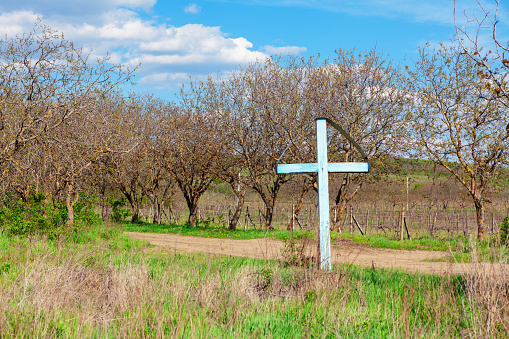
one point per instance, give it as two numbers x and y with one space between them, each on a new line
344 252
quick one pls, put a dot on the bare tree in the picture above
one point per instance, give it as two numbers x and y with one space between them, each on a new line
125 171
130 172
44 80
231 168
155 180
491 59
362 93
83 140
188 144
459 122
259 95
50 95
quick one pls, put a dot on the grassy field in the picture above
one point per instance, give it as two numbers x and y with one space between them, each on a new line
214 231
101 283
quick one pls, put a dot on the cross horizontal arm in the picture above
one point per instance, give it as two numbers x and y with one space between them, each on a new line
348 167
341 167
297 168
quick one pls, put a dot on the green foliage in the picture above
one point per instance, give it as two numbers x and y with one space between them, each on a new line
39 216
504 230
18 217
118 210
84 214
265 278
5 267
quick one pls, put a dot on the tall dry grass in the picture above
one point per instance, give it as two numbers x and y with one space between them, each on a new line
486 288
105 288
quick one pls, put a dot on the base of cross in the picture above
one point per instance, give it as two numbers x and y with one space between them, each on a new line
322 167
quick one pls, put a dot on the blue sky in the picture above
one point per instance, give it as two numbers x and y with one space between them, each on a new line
176 39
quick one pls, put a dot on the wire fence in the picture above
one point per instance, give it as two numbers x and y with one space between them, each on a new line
418 223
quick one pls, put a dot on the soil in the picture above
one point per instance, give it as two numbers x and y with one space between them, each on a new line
344 252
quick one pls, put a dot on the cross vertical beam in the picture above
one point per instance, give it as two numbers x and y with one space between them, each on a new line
323 193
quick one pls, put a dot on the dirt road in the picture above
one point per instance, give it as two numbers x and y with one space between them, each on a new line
343 252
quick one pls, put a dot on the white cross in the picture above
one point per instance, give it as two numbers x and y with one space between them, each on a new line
323 168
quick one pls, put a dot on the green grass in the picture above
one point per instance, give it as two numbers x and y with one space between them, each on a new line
209 230
102 283
422 243
461 248
214 231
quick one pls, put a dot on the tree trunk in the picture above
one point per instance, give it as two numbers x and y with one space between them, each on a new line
135 218
47 203
340 210
269 213
236 216
69 204
480 211
135 206
193 210
157 212
104 210
268 199
300 203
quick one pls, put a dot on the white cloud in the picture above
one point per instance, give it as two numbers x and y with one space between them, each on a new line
168 54
13 23
192 9
286 50
167 80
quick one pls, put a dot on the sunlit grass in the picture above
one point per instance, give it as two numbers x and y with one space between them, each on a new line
209 230
101 283
421 243
214 231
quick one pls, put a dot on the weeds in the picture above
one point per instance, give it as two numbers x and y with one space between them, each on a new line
100 283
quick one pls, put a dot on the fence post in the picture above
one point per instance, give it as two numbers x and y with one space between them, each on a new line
367 222
402 216
293 216
492 222
351 219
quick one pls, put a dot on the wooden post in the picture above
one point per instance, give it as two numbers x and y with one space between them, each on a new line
245 218
293 216
402 217
323 193
465 232
457 223
492 222
351 219
406 228
367 222
358 226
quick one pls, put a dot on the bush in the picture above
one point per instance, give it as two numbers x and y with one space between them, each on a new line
504 230
118 212
38 216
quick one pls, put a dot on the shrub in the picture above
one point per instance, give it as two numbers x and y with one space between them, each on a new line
504 230
39 216
118 212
